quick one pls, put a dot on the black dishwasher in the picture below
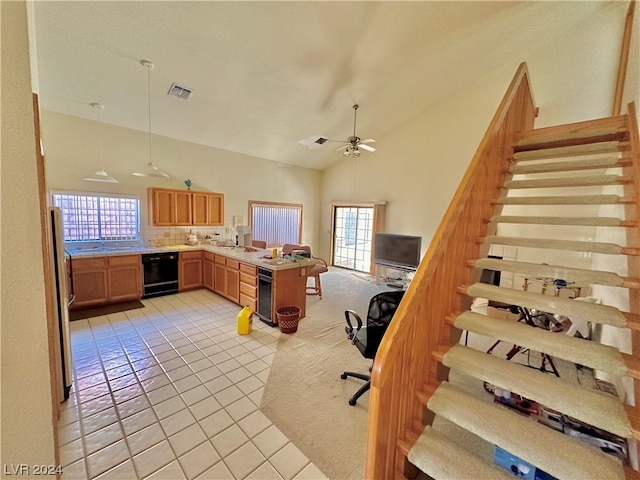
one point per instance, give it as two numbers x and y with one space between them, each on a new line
265 296
160 274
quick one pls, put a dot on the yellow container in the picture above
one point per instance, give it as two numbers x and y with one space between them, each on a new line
245 319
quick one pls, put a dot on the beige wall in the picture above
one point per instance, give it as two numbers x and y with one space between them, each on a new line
27 428
70 145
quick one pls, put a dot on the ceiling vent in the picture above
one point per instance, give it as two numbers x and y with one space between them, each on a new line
179 91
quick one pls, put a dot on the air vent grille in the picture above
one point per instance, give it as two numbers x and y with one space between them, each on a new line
179 91
320 140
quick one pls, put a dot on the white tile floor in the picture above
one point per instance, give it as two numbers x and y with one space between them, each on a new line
171 391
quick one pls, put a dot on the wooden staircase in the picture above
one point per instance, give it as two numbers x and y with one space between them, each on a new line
566 200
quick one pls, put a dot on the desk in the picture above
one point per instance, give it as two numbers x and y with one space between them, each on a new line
556 284
405 275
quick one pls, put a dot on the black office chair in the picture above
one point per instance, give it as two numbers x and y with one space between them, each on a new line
367 337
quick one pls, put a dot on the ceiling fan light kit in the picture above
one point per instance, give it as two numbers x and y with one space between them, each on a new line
150 169
352 146
100 175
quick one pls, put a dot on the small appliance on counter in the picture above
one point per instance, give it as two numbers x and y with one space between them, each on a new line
192 239
243 236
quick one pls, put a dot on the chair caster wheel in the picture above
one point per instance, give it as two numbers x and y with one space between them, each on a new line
352 402
343 376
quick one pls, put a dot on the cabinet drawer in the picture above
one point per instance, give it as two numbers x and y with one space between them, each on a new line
233 264
124 260
246 301
248 279
94 262
248 290
250 269
221 260
191 255
208 256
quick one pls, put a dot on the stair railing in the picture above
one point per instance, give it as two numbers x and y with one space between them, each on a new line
405 366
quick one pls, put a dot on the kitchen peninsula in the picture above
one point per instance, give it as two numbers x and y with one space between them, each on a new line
244 277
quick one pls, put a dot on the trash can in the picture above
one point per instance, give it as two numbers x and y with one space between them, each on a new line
245 318
288 319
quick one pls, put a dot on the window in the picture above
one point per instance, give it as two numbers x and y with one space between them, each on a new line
91 217
276 223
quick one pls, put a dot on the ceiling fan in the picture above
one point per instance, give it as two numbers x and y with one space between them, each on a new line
351 146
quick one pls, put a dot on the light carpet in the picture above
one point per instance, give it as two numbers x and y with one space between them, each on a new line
305 396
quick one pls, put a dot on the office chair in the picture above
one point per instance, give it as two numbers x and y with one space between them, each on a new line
367 337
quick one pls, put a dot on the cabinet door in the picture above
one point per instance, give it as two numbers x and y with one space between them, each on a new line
124 283
200 204
216 209
190 275
220 279
90 286
182 202
208 274
233 284
162 207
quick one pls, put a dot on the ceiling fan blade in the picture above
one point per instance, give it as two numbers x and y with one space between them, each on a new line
341 148
367 147
368 140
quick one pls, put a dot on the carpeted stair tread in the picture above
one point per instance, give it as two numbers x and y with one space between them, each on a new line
588 164
563 200
586 181
443 459
592 354
574 221
592 407
535 270
588 312
573 150
572 245
557 454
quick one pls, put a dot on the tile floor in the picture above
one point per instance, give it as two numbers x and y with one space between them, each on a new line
171 391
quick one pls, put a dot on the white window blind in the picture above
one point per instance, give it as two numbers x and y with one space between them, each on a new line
276 223
98 217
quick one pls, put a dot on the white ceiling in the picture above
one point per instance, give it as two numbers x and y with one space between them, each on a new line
266 74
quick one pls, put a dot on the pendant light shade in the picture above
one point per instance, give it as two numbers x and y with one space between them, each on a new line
150 169
100 175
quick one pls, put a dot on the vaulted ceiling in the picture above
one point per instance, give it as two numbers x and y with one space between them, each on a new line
266 74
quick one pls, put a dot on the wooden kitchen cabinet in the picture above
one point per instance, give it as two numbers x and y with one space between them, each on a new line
208 208
190 270
208 270
89 282
227 277
124 278
248 286
168 207
106 279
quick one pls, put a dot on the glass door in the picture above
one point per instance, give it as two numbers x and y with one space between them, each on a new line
352 237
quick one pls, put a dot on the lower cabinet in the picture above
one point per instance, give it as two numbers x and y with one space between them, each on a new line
227 277
249 286
106 279
208 270
190 270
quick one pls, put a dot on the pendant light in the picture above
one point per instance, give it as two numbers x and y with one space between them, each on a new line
150 169
100 175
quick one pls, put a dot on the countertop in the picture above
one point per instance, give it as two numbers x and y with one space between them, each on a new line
237 253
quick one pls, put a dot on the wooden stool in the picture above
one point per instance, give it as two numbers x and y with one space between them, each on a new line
316 288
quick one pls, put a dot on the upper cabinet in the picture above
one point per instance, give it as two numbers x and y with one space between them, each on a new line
208 208
183 208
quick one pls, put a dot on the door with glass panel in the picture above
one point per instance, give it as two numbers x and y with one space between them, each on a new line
353 228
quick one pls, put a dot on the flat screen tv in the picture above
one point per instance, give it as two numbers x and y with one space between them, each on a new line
401 251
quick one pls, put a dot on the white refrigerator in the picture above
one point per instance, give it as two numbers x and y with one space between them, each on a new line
63 296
